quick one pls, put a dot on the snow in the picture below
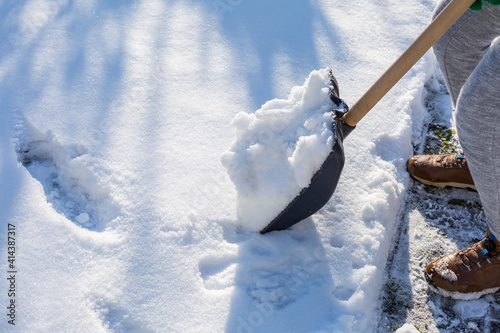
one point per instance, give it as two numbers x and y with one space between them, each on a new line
278 149
468 296
407 328
114 118
442 269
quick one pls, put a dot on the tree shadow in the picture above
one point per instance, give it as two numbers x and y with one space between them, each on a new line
275 44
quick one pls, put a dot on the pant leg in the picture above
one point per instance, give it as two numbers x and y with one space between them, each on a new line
469 58
478 128
462 47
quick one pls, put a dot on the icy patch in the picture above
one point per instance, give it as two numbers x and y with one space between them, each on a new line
69 184
278 149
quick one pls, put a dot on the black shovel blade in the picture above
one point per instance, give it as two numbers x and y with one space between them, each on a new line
323 183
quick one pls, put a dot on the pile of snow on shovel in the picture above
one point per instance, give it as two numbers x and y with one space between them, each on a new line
278 149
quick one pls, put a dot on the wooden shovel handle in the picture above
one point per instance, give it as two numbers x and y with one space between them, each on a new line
453 11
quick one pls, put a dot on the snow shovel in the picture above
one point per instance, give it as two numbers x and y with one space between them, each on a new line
324 181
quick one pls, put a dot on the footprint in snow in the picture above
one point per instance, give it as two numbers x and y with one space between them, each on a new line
69 185
343 293
337 242
218 271
282 284
116 318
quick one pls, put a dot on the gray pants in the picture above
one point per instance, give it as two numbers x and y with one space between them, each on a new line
469 58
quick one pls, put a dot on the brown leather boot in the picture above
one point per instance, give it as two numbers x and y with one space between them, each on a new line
441 170
469 273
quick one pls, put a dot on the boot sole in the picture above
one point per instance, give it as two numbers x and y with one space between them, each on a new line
458 295
450 184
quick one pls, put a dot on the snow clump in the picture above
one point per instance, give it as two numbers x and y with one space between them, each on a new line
278 149
442 269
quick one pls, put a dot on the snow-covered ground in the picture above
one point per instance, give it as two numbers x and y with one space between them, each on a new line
114 118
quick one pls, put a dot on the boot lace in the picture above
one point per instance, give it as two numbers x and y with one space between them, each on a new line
450 161
479 252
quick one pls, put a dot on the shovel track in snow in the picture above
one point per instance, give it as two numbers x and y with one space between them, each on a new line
434 222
